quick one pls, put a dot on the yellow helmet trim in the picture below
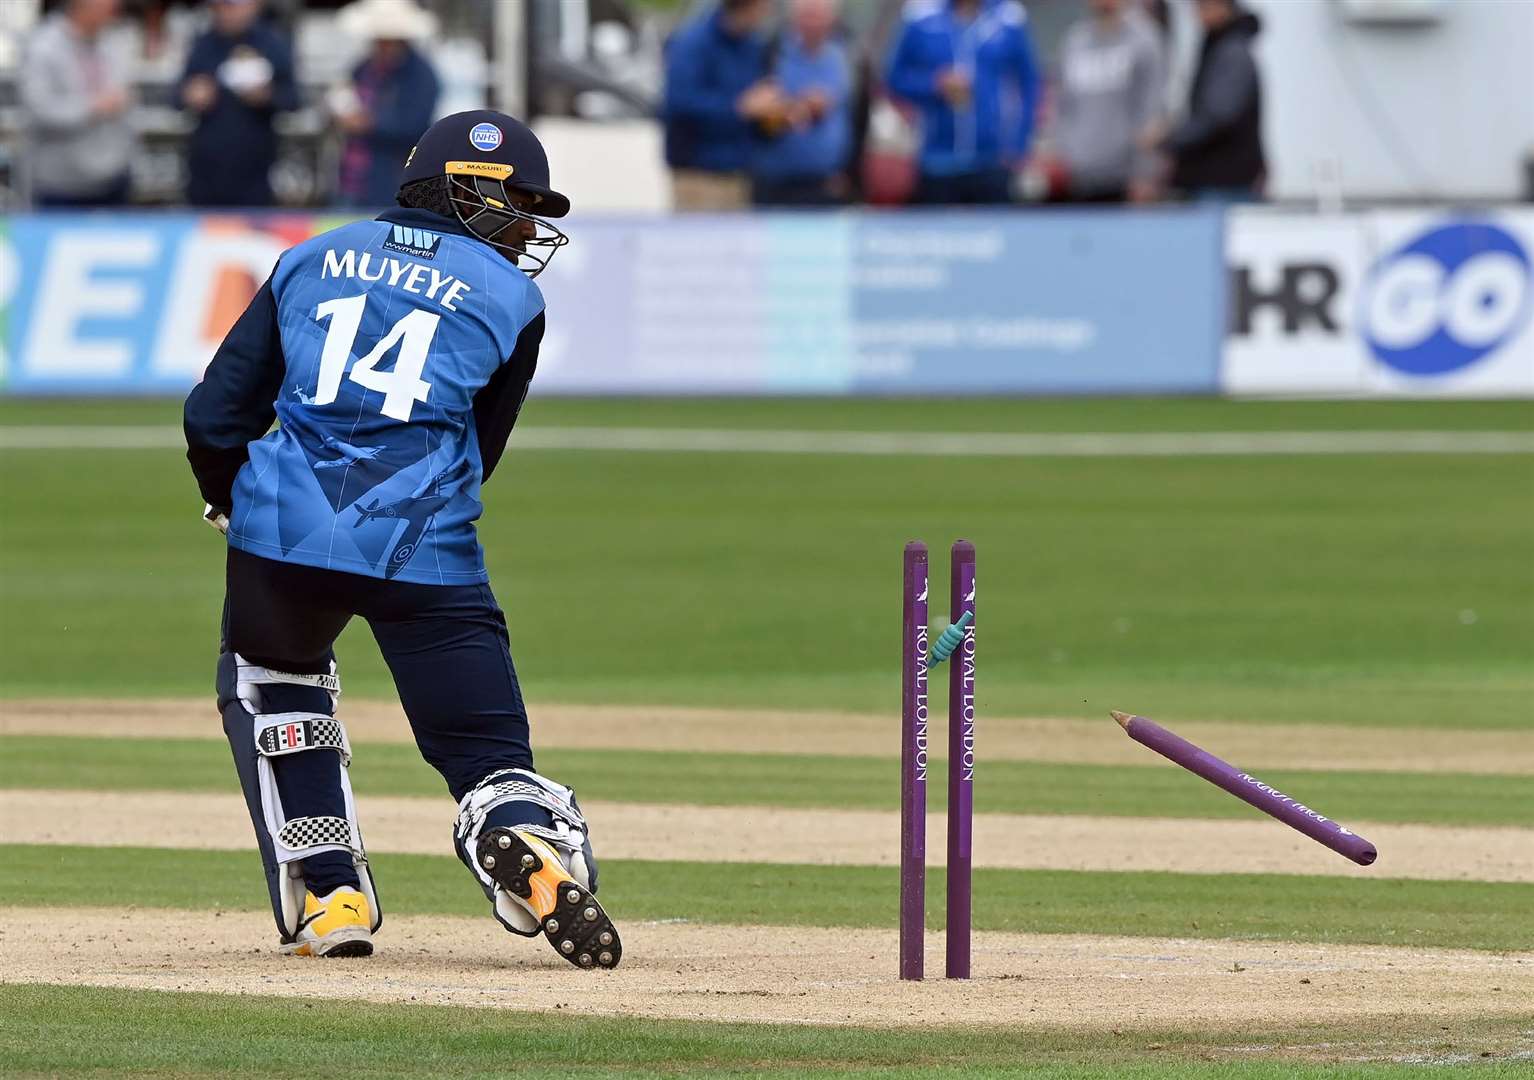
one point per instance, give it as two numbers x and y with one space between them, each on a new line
493 170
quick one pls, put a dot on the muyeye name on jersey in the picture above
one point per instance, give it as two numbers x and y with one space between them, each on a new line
413 277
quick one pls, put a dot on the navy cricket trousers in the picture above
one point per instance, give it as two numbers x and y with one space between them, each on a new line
446 646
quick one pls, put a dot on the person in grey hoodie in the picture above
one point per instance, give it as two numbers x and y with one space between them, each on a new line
75 96
1112 87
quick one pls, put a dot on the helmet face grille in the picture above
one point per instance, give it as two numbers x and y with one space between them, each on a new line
488 209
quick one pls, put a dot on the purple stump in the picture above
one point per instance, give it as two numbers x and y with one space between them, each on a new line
913 760
1248 788
961 760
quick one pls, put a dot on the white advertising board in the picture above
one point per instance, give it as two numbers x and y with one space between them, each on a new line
1380 304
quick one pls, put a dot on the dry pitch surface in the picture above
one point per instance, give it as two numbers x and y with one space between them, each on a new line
777 974
792 974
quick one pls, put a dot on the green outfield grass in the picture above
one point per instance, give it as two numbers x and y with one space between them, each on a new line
909 414
69 1031
1256 907
791 780
1352 590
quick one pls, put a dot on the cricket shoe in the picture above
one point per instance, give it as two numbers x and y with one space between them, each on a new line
528 868
337 924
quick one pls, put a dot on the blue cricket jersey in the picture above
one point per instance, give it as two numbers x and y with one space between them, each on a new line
395 355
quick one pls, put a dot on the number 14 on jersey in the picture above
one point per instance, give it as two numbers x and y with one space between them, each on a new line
403 386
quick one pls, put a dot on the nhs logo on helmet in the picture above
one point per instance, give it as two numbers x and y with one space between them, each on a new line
1447 298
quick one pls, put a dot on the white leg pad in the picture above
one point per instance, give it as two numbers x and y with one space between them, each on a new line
567 836
294 839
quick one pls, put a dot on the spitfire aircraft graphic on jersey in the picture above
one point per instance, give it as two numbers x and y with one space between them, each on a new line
346 453
417 512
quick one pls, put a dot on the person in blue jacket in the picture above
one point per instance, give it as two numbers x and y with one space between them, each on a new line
239 75
717 93
394 356
804 161
968 68
391 99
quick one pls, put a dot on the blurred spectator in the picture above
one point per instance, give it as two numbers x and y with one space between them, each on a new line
967 66
1112 84
716 91
239 75
391 99
1217 149
74 91
158 44
802 157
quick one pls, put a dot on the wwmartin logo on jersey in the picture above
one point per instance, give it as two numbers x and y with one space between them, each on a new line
415 242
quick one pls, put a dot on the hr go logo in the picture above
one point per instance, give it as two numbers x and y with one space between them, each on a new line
1447 298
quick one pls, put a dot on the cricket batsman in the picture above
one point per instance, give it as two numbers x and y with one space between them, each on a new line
395 355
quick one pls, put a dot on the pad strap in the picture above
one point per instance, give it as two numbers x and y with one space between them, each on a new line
519 785
255 674
302 833
292 733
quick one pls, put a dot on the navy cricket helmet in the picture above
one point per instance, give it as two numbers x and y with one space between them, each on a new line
492 162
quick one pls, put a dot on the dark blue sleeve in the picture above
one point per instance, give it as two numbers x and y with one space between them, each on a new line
284 84
1027 73
235 404
689 91
201 59
499 402
907 76
1229 84
408 113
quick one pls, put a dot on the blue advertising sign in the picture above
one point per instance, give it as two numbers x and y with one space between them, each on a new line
1042 302
1037 301
887 303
